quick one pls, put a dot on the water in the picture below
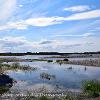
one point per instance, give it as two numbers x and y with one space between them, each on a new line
65 78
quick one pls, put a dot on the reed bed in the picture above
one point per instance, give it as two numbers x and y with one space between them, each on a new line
81 62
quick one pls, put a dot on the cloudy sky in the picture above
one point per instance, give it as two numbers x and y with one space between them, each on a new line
49 25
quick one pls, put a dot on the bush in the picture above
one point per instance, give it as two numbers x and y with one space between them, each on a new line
69 97
50 60
58 61
65 60
92 88
44 98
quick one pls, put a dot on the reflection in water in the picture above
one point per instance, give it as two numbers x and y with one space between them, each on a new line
5 83
70 68
51 75
85 68
41 88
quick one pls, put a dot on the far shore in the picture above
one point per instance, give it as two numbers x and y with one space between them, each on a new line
93 63
86 62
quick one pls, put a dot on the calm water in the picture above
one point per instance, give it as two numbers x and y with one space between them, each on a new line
65 78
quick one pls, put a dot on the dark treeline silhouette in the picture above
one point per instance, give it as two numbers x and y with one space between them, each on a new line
30 53
43 53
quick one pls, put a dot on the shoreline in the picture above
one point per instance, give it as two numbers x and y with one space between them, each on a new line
86 62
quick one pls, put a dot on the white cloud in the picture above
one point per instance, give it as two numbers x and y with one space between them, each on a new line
74 45
20 5
40 22
88 34
85 15
12 41
22 44
66 45
14 25
6 9
72 35
62 43
46 21
77 8
11 44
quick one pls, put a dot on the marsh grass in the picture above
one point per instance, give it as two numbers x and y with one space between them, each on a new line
82 62
16 66
70 97
44 98
92 88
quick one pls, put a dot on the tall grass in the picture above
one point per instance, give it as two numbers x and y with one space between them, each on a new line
92 88
16 66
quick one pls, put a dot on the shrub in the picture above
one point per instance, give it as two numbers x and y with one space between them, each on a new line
70 97
44 98
50 60
58 61
65 60
92 88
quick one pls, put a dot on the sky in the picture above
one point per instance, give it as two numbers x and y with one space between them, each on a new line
49 25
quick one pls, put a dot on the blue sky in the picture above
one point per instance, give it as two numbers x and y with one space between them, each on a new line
49 25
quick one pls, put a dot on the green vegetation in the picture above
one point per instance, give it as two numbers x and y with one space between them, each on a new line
22 67
16 66
92 88
50 61
14 59
58 61
3 65
65 60
80 62
10 59
4 89
70 97
42 60
62 61
44 98
39 60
